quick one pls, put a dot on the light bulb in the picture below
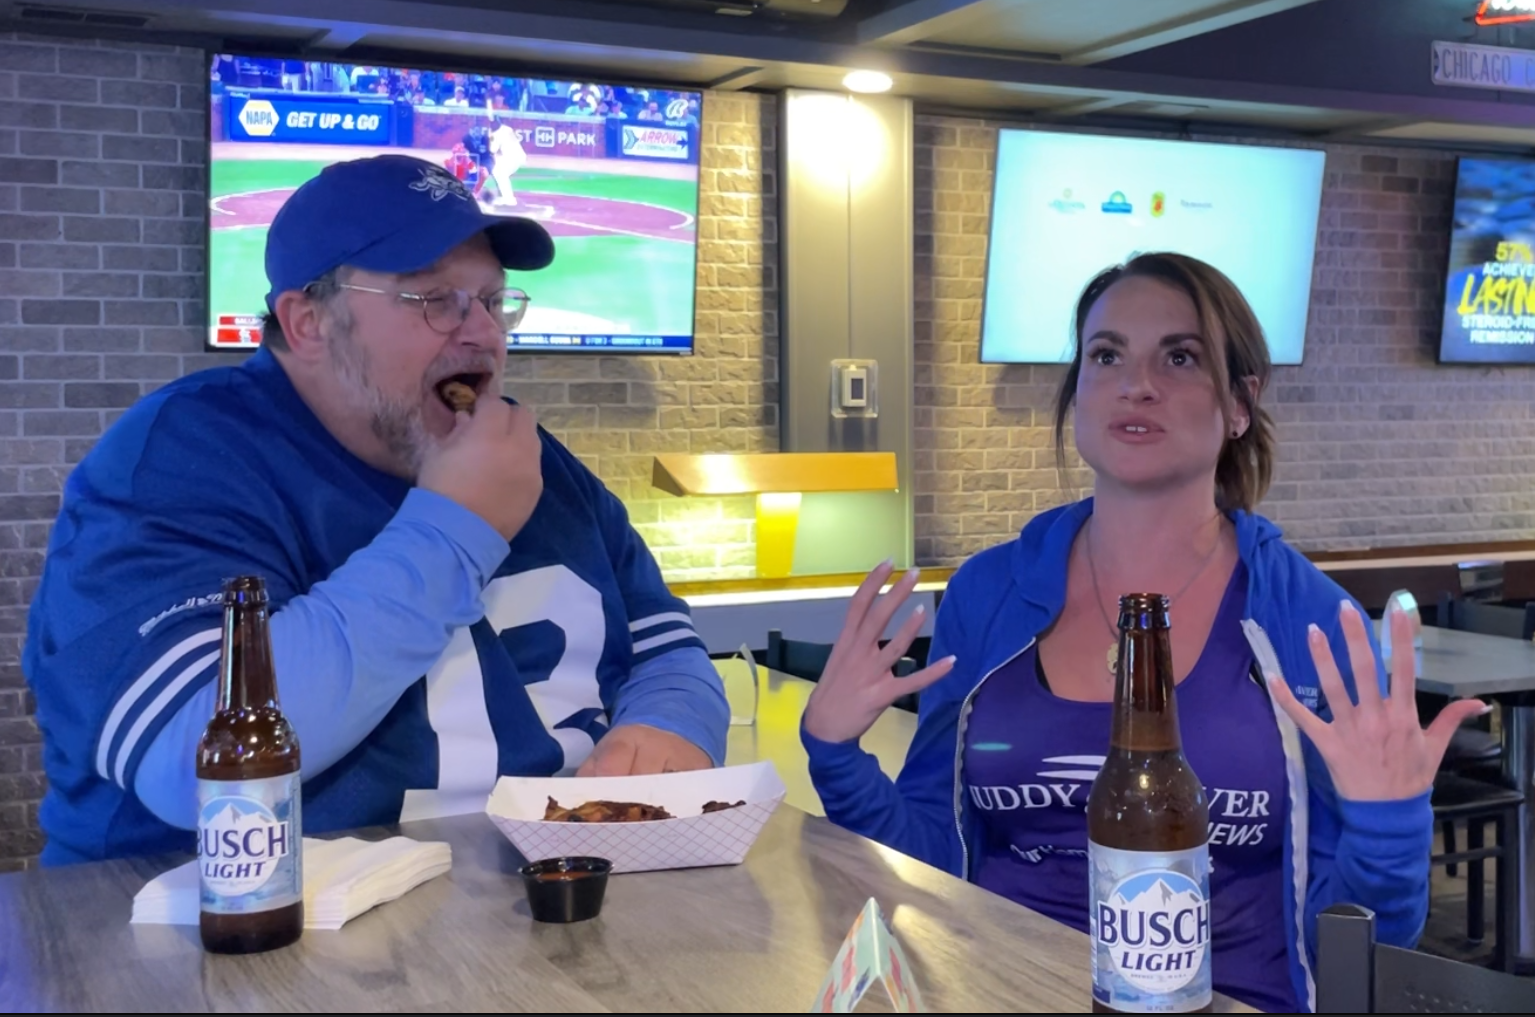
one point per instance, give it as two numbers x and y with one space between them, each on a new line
867 81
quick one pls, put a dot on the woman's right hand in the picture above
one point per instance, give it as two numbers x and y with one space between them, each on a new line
858 683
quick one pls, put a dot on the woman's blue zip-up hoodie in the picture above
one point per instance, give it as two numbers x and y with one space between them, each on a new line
1375 854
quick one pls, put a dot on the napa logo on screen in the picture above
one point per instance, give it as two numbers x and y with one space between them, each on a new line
1117 204
1068 205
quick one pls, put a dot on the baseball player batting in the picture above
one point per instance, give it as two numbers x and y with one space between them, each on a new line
506 147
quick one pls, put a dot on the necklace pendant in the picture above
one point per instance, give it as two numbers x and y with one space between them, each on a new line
1114 659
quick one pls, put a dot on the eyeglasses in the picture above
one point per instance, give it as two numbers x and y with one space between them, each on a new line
445 312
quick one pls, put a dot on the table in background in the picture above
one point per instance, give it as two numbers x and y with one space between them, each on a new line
775 735
1461 664
756 937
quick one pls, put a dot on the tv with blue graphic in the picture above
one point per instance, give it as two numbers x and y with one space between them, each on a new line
610 170
1489 291
1066 206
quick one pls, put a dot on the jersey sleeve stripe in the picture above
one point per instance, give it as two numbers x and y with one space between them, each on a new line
669 617
675 635
158 706
146 681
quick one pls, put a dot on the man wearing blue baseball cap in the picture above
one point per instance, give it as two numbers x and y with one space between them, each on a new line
455 597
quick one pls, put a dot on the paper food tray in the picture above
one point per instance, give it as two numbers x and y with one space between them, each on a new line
692 839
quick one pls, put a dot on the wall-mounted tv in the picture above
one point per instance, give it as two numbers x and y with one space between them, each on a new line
1489 292
1066 206
610 170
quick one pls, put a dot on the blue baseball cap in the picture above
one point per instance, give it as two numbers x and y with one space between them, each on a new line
388 213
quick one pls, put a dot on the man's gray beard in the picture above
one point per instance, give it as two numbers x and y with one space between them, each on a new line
398 425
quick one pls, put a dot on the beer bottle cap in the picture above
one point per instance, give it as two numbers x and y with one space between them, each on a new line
244 590
1144 611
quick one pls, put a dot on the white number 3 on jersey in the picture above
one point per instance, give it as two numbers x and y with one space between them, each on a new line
455 687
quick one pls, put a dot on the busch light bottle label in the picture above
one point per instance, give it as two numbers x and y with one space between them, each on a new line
249 851
1150 922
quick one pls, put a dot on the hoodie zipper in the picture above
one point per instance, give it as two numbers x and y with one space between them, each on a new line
959 757
1300 820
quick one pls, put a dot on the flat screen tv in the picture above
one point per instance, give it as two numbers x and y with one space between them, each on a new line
1489 292
611 171
1066 206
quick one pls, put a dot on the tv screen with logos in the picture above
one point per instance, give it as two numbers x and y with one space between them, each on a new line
1066 206
1489 299
610 170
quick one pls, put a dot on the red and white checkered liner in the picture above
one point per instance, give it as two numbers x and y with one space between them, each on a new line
517 806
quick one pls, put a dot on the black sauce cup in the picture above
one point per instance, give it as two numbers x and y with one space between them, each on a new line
566 889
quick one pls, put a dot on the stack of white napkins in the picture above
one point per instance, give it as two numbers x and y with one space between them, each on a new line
342 879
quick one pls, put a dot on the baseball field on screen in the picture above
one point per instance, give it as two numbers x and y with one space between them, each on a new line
624 236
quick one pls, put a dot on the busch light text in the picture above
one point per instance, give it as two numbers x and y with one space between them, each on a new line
248 844
1151 929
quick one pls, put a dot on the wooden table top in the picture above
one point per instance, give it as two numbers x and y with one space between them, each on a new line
756 937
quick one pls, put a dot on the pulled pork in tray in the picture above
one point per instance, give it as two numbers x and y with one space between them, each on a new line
620 812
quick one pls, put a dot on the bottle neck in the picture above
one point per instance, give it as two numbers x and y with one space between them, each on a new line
1145 717
247 680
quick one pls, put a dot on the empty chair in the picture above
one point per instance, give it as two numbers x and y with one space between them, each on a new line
1355 974
796 657
1487 619
1474 753
1461 798
1473 750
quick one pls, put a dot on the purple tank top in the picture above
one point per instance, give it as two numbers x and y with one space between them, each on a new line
1029 762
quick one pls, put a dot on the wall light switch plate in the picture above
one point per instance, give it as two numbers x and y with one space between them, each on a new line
854 388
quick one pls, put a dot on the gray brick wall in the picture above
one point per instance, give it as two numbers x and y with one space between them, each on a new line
102 162
1380 446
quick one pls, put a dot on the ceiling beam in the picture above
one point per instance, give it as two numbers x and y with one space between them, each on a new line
338 38
743 77
1089 106
914 20
1210 19
1364 128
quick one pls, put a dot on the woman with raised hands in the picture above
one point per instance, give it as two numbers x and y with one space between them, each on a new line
1317 774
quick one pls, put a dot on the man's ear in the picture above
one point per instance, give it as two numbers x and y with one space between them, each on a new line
301 319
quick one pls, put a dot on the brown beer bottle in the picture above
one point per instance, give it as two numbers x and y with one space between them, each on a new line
249 828
1147 837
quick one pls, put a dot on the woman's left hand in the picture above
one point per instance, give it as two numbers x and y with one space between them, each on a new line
1375 749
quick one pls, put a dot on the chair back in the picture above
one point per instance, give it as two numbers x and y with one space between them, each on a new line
797 657
1487 619
807 660
1480 580
1355 974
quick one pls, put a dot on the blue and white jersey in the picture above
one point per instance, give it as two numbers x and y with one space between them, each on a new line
418 655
